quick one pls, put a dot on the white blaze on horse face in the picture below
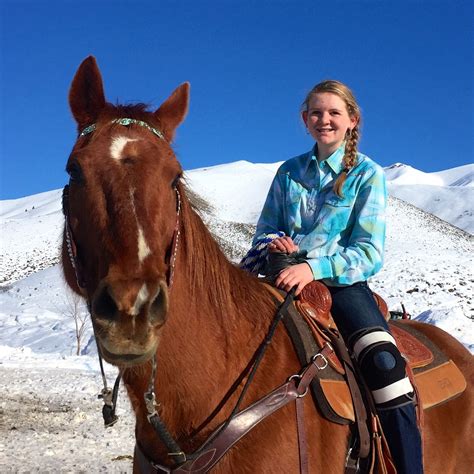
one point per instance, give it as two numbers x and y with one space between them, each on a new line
143 249
141 299
118 145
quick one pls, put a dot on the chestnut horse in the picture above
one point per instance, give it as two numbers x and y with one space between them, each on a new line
127 241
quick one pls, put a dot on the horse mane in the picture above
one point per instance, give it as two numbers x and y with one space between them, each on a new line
210 268
139 111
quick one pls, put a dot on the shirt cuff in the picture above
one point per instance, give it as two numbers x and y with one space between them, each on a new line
321 267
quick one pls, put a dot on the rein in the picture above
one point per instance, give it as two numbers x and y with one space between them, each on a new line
239 423
174 450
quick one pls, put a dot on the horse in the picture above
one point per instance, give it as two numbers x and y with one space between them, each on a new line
159 288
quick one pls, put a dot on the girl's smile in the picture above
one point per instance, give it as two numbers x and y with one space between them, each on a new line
328 120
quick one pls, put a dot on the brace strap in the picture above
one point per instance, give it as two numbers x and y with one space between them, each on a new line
392 391
370 339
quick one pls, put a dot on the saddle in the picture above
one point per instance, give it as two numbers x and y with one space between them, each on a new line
435 377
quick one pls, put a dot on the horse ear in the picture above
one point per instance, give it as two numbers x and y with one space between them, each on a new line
173 111
86 96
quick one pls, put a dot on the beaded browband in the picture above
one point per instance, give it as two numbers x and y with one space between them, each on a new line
125 122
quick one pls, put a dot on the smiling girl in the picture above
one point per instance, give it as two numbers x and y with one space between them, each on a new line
326 208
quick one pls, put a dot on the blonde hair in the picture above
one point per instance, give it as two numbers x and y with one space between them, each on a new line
352 136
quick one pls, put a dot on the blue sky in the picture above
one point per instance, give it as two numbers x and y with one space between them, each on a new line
250 64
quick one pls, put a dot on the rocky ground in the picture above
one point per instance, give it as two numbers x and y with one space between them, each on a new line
51 422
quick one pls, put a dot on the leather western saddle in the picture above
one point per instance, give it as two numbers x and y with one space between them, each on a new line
427 363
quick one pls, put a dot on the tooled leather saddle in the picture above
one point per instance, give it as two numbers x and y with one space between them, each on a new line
436 378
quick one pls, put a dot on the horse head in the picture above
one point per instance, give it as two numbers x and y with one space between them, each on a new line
122 210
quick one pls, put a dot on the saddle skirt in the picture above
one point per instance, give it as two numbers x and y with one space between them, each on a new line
437 378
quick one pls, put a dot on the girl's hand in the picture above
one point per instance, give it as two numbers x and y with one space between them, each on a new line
282 244
296 275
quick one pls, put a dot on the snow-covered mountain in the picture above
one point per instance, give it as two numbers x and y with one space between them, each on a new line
447 194
429 268
401 174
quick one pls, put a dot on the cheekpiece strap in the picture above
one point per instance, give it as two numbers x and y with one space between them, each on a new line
125 122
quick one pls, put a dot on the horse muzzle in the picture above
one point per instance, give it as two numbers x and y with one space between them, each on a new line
127 316
126 359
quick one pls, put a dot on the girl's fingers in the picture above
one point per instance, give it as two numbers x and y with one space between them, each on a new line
298 275
283 244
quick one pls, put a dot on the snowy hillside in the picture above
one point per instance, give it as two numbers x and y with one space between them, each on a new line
401 174
428 262
447 194
30 230
48 394
31 227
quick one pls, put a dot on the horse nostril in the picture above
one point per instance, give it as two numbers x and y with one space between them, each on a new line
104 305
159 306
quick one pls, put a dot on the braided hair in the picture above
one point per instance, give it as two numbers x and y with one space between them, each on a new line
352 136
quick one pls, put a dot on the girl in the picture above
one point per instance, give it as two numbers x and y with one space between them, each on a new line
327 208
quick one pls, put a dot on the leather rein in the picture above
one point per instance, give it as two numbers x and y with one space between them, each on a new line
239 423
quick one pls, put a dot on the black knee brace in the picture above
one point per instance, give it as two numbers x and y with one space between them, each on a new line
383 368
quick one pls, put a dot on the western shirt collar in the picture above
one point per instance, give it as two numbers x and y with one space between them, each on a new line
334 161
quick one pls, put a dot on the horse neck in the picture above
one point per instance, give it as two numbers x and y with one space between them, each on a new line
218 316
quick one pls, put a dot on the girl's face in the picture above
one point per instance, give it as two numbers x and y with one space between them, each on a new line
328 120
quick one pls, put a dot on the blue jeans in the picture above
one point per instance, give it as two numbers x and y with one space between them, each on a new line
354 310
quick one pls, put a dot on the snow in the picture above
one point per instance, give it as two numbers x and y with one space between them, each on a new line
30 230
399 173
433 199
50 422
50 416
447 194
238 188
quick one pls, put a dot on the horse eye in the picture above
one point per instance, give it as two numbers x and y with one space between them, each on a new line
175 182
75 173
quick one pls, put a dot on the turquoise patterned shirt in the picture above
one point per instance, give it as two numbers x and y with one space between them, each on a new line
343 238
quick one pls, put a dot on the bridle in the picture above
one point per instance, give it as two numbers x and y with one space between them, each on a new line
109 396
